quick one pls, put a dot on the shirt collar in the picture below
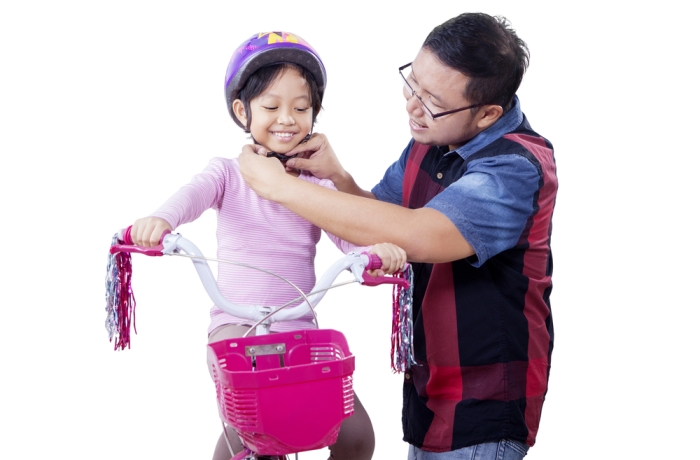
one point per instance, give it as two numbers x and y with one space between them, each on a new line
504 125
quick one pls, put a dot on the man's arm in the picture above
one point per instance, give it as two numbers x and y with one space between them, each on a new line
318 157
425 234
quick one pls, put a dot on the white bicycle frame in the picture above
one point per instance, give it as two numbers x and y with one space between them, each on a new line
263 316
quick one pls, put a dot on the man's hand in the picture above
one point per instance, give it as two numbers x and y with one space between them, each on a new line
264 175
317 157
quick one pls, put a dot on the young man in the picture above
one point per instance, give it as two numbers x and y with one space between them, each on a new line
471 201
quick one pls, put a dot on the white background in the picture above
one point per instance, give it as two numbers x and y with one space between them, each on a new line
107 108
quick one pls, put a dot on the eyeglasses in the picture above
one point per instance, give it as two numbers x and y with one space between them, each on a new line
412 93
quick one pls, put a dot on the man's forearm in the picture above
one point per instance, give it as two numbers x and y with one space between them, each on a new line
425 234
346 184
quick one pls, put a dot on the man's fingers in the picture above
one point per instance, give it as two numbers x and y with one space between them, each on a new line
298 163
249 148
314 144
302 149
255 149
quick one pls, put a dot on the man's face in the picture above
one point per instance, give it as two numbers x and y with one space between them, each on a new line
441 88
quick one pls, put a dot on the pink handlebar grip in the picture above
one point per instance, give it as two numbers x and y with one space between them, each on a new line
126 237
369 280
375 261
129 245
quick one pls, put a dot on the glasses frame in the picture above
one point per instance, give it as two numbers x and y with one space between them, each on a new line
425 107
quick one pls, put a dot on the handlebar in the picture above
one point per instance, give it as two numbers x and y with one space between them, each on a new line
175 244
129 246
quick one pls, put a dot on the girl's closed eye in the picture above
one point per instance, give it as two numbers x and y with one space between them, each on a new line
269 108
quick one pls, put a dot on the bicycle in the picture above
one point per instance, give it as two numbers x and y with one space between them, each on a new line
266 384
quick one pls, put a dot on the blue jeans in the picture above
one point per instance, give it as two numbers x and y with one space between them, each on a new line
502 450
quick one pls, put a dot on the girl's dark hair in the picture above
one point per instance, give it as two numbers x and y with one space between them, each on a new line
263 78
486 49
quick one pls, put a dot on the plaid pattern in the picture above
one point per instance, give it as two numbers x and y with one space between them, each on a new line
483 336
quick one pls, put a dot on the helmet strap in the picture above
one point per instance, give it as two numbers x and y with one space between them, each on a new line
281 156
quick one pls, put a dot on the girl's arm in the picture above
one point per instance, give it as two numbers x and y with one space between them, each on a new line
186 205
393 257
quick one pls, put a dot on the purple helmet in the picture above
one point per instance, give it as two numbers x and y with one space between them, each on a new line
268 48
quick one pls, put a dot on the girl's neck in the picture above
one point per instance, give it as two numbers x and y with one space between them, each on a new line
283 159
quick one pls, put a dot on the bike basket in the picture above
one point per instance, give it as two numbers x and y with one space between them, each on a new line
286 392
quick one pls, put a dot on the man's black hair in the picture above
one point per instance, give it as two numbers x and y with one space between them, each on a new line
259 81
486 49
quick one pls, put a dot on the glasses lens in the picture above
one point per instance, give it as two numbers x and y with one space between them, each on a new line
410 92
407 90
406 86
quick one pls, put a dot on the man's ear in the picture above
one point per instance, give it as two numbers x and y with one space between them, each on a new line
239 111
488 115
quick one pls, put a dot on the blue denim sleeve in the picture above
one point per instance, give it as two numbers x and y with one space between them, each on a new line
491 203
390 188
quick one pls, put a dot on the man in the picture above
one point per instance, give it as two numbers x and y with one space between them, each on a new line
471 201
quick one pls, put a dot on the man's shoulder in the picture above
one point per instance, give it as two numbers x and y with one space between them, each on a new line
526 134
520 141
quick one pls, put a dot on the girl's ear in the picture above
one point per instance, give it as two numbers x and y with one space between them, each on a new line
239 111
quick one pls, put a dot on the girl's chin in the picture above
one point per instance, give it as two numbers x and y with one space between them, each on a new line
281 149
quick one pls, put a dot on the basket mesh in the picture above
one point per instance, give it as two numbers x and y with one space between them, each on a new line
288 404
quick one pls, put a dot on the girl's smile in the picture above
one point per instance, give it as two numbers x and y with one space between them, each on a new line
281 116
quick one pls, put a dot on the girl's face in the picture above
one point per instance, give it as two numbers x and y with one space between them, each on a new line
281 116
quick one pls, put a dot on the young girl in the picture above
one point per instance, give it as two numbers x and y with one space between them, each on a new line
274 86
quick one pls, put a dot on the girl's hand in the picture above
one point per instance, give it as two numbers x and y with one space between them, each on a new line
147 231
393 259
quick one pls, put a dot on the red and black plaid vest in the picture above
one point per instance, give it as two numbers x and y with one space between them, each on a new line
483 336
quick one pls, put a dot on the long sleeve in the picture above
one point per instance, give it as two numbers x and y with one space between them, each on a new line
204 192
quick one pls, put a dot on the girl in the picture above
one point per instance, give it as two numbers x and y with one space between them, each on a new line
274 87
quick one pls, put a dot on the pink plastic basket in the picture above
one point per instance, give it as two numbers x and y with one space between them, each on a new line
286 392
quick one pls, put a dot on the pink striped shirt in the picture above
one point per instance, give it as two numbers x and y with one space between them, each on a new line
253 231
